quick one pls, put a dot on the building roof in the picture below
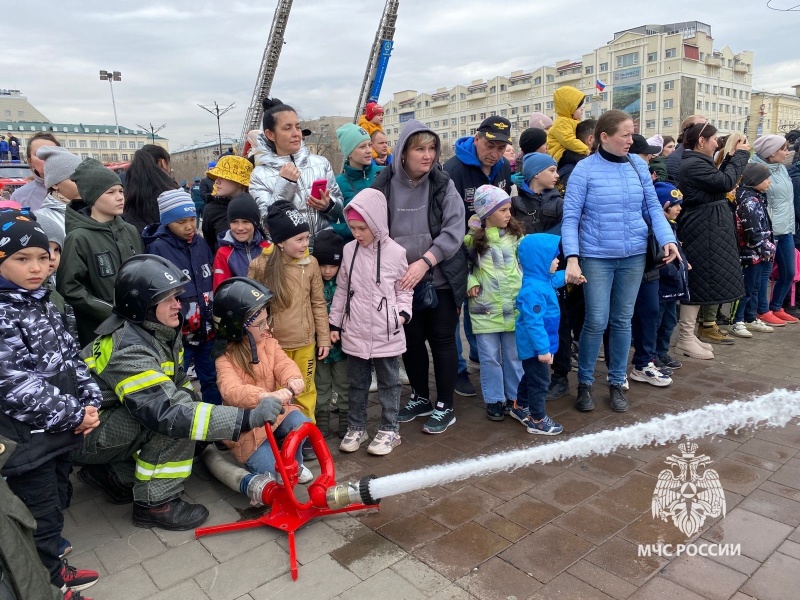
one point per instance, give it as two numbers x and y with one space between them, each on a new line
31 127
227 142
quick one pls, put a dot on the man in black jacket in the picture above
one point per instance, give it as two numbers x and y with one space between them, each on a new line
673 161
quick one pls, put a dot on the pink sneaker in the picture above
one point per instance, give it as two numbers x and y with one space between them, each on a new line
770 319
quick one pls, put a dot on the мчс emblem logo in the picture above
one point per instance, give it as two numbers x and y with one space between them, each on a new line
689 497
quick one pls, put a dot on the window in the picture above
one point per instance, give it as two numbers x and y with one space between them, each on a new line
472 131
651 88
589 70
8 114
728 92
463 96
668 122
85 155
427 103
503 87
124 157
699 105
603 97
113 145
702 56
513 110
706 106
473 118
650 124
20 113
483 116
94 143
537 107
105 157
103 144
141 144
462 119
550 78
492 89
82 144
730 63
526 109
444 135
123 145
650 106
714 106
549 105
603 67
707 88
114 156
463 132
537 81
436 124
699 88
652 56
668 103
453 121
714 90
627 60
670 53
453 98
73 144
419 104
503 112
669 85
492 114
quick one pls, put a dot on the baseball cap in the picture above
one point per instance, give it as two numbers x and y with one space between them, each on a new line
496 129
640 146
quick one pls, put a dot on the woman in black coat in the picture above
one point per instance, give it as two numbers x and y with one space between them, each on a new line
707 232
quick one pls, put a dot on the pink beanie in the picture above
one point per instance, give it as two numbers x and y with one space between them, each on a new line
354 215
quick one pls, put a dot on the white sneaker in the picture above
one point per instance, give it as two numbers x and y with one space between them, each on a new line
373 387
403 376
625 384
305 475
383 442
650 374
739 330
352 440
760 326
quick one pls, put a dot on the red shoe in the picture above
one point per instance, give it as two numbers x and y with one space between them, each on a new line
73 595
78 579
783 315
770 319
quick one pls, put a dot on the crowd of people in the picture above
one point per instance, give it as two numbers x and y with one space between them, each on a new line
291 292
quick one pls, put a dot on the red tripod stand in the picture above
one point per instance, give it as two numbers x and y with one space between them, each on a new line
286 512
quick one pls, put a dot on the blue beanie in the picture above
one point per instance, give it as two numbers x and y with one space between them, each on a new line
174 205
350 136
668 194
534 163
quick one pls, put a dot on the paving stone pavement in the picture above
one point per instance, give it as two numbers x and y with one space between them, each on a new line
569 530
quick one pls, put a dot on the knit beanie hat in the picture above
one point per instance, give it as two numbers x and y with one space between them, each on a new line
19 231
328 247
488 199
53 229
284 221
59 164
534 163
93 180
754 174
532 139
668 194
372 110
233 168
244 207
767 145
174 205
351 214
350 136
540 121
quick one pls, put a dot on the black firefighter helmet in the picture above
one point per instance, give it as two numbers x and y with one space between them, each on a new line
235 300
143 281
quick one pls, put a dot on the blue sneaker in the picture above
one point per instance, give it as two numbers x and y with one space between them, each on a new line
440 420
519 413
64 548
544 427
415 407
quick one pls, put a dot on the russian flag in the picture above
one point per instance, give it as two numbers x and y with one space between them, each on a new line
600 85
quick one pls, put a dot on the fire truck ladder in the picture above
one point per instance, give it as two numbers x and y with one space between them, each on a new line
385 33
269 63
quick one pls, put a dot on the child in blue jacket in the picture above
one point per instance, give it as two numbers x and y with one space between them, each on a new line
176 239
537 329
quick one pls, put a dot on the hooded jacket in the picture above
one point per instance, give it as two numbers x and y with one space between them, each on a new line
273 370
234 257
497 273
537 302
32 194
561 136
44 385
427 216
351 181
780 197
194 259
608 205
53 211
267 187
215 220
538 213
465 170
93 253
753 226
369 302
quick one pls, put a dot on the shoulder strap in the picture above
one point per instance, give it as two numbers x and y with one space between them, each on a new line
349 292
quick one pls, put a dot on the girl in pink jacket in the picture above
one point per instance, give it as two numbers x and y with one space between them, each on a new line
368 312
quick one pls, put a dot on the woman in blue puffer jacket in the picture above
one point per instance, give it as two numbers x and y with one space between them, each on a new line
610 202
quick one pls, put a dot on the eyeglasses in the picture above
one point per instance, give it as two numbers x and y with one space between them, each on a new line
264 324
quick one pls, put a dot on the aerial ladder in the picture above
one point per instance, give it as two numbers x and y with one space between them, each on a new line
269 63
378 58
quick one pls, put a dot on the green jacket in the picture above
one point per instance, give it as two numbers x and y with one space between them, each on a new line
93 253
658 165
498 274
20 566
351 181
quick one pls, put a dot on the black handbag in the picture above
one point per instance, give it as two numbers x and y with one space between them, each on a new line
425 297
654 257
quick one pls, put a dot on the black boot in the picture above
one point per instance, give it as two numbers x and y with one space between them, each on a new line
559 387
585 402
618 401
100 477
175 515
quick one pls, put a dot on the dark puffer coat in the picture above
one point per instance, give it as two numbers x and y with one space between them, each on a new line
707 228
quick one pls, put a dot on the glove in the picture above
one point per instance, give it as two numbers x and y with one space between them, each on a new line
266 412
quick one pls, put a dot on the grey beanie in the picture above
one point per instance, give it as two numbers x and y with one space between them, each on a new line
59 164
52 223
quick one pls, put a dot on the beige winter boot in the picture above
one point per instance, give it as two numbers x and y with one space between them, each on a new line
687 342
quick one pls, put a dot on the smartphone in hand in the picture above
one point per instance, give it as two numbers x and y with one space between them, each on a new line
319 186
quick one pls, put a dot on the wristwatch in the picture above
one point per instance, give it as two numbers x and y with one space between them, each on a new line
427 262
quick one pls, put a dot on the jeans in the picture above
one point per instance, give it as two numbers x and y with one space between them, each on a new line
205 368
644 327
473 344
262 460
500 366
667 320
533 386
387 372
610 291
437 327
747 308
784 257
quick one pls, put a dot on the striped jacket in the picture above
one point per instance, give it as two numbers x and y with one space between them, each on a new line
142 367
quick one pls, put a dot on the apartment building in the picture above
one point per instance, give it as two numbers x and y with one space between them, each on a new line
774 113
15 107
660 74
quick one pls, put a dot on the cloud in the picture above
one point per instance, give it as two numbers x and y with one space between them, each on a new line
176 55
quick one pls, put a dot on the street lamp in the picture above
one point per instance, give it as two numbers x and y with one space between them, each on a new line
111 77
152 130
217 112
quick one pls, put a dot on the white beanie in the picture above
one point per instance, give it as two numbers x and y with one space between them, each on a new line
656 140
59 164
767 145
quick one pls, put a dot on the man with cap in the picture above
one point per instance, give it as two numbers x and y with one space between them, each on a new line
646 151
658 164
478 161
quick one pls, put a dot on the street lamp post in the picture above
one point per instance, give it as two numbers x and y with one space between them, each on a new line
152 130
217 112
111 77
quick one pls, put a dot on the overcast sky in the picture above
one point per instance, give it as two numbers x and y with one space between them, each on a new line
175 54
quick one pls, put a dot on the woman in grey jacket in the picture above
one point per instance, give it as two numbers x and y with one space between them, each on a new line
285 169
